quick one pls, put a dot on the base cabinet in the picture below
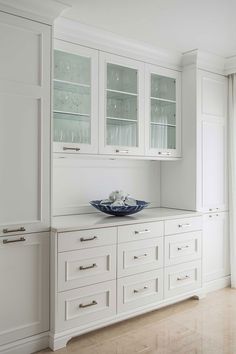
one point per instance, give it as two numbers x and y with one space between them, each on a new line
24 291
215 246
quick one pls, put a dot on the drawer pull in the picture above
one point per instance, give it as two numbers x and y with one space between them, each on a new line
184 225
82 239
211 216
183 247
21 239
140 290
71 148
7 231
141 256
94 265
146 231
213 209
164 153
183 278
122 151
82 306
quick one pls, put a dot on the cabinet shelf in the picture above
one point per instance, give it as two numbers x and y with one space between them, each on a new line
122 92
71 83
163 124
122 119
72 113
162 99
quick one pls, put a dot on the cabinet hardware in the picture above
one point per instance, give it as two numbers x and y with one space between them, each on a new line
183 278
21 239
184 225
88 305
6 231
213 209
140 290
141 256
70 148
142 232
211 216
82 239
163 153
122 151
94 265
181 248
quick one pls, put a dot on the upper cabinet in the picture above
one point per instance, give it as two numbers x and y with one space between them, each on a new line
75 107
121 102
163 116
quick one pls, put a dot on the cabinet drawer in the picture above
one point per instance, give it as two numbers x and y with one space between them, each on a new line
86 305
140 231
85 267
69 241
182 278
140 256
183 225
183 248
139 290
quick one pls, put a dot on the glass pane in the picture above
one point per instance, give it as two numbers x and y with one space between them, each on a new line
163 87
121 133
72 128
121 105
71 67
162 137
163 112
121 78
71 98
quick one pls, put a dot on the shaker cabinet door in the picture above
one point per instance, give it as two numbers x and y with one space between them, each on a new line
121 99
24 125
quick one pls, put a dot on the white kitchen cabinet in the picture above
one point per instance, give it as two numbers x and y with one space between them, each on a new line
24 125
163 114
24 291
75 107
121 97
215 246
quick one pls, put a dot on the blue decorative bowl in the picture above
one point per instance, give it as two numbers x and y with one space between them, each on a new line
119 210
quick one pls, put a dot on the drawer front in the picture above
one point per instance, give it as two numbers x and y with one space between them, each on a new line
86 267
139 290
183 248
69 241
182 278
179 226
140 231
140 256
86 305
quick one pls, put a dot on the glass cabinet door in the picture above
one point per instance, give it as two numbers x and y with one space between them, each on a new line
75 98
122 87
163 88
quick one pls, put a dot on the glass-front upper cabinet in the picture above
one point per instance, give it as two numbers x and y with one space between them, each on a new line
121 105
163 117
75 101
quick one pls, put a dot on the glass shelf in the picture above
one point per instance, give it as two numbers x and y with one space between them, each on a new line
121 105
72 128
163 112
122 132
71 83
71 67
163 136
163 87
121 78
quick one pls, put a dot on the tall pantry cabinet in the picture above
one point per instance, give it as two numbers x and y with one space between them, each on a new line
199 181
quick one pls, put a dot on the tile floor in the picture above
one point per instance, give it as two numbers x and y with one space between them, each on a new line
207 326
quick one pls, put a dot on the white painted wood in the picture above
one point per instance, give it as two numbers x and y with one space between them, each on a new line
149 151
104 59
27 345
142 231
24 124
183 248
85 267
24 292
69 241
102 297
215 246
183 225
182 278
92 55
139 256
139 290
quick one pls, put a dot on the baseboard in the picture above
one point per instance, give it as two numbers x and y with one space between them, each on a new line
27 345
217 284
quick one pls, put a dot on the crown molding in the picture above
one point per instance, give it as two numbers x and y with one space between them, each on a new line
76 32
42 11
205 61
230 65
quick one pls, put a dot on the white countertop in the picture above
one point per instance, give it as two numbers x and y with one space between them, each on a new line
96 220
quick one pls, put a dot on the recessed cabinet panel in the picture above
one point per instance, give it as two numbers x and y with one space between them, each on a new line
75 99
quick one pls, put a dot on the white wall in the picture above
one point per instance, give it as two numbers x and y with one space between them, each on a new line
76 181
